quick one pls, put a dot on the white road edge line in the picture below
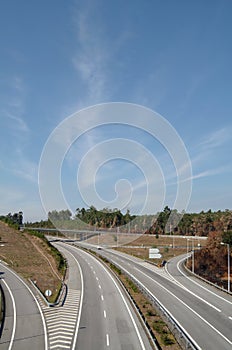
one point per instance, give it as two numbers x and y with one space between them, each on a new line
14 317
198 315
182 286
189 291
208 290
124 300
81 299
38 305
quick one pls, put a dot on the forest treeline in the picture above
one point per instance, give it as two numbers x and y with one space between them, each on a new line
210 261
191 224
15 220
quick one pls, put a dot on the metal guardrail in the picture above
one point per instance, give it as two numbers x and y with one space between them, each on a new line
204 279
181 335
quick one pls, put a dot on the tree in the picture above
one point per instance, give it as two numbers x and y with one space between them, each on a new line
227 237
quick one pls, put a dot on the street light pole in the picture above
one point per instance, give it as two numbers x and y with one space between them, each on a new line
228 265
187 251
193 255
228 253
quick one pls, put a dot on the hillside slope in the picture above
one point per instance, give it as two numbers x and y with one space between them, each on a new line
31 257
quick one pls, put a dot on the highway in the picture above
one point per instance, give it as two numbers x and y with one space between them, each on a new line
97 315
205 313
24 326
107 320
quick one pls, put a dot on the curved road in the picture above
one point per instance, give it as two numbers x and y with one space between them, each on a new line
107 320
24 326
204 313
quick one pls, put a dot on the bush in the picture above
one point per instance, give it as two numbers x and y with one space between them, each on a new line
167 340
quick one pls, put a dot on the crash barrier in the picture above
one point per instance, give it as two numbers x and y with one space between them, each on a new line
181 335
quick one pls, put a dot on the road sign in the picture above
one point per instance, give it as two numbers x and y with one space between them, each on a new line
155 256
153 250
48 293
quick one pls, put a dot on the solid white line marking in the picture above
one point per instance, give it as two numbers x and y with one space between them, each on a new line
107 340
60 336
59 346
125 303
14 316
63 327
61 332
186 305
62 341
189 291
63 315
81 300
38 305
208 290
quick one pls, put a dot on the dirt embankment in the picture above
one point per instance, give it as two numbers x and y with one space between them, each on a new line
30 256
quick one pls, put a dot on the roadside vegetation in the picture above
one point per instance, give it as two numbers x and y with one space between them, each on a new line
33 257
210 256
190 224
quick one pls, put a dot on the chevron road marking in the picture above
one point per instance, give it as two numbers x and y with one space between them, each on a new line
61 321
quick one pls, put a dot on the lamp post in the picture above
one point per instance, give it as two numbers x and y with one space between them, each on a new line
193 255
187 250
228 263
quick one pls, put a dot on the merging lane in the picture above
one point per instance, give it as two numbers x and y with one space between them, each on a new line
203 313
107 320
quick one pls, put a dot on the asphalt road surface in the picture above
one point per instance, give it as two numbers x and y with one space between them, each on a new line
203 312
107 320
24 326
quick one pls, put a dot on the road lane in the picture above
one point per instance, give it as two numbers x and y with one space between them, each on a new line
107 319
208 327
212 295
24 326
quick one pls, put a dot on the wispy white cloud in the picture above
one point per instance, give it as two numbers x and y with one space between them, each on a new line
25 168
215 139
20 166
91 59
13 104
17 122
209 172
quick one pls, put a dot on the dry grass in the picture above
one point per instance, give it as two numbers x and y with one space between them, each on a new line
157 325
168 246
138 245
29 256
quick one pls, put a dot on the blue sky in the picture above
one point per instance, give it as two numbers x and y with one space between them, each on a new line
173 57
